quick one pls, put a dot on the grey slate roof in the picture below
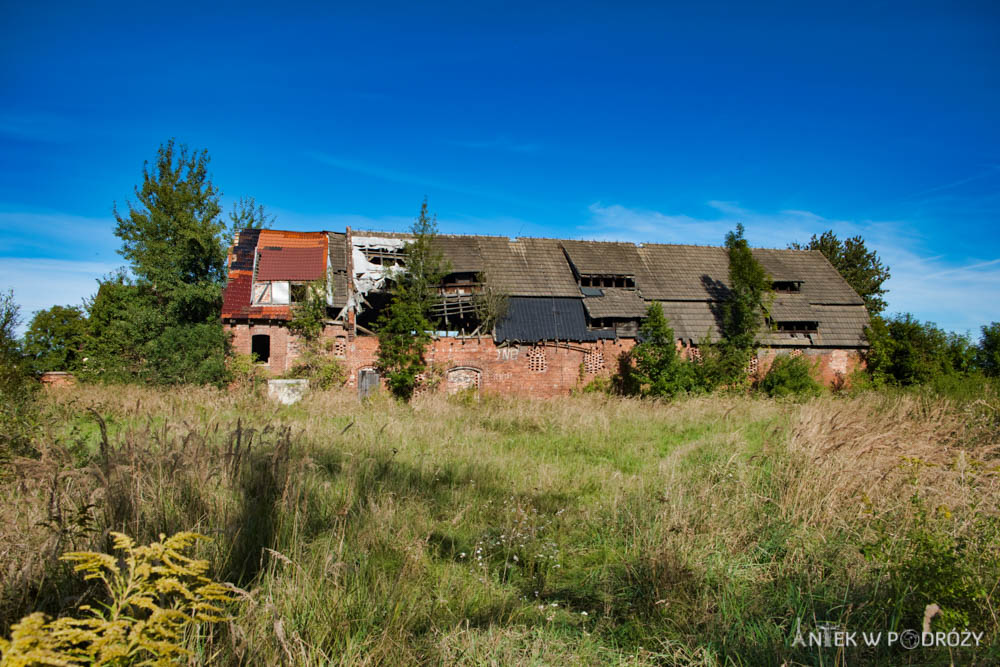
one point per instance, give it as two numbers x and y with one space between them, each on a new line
534 319
792 308
602 258
693 320
690 281
614 302
528 267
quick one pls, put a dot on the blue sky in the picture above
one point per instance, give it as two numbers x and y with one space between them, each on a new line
660 122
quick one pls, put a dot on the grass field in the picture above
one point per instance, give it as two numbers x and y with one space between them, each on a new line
590 530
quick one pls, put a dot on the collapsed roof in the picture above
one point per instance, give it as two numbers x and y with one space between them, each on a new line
558 289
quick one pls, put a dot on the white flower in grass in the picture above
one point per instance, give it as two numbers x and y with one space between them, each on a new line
583 613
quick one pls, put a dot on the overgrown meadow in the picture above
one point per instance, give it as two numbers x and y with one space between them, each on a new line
590 530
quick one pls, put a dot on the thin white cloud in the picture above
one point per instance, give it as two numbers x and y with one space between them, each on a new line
932 286
40 283
56 235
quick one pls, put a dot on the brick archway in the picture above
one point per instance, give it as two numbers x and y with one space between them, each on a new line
463 378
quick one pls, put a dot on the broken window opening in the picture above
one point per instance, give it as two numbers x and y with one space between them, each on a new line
260 348
787 286
375 303
299 292
385 256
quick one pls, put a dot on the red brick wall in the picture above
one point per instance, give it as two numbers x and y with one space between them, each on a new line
832 367
57 379
515 369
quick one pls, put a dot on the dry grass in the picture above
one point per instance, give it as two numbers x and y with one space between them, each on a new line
609 530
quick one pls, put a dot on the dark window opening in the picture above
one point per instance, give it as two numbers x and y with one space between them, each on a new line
797 327
298 293
462 283
626 282
375 304
260 348
787 286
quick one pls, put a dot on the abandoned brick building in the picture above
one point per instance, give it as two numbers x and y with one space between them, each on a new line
571 307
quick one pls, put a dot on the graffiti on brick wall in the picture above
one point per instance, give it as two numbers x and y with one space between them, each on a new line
508 353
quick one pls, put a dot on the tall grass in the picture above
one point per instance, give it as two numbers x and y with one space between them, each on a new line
588 530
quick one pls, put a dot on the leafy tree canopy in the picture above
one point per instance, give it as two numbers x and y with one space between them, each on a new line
163 326
18 416
859 266
905 351
247 214
988 352
173 234
55 338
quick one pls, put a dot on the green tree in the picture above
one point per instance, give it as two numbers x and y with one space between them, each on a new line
744 309
988 350
18 387
55 338
404 328
659 369
161 323
173 234
859 266
904 351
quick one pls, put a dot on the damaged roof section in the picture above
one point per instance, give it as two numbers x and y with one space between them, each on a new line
557 289
266 255
613 302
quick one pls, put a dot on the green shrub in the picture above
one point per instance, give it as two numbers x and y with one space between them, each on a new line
655 366
316 364
939 560
790 376
904 351
18 416
988 351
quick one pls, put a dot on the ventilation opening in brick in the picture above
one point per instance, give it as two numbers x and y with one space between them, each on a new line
536 360
340 347
753 367
593 361
260 347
